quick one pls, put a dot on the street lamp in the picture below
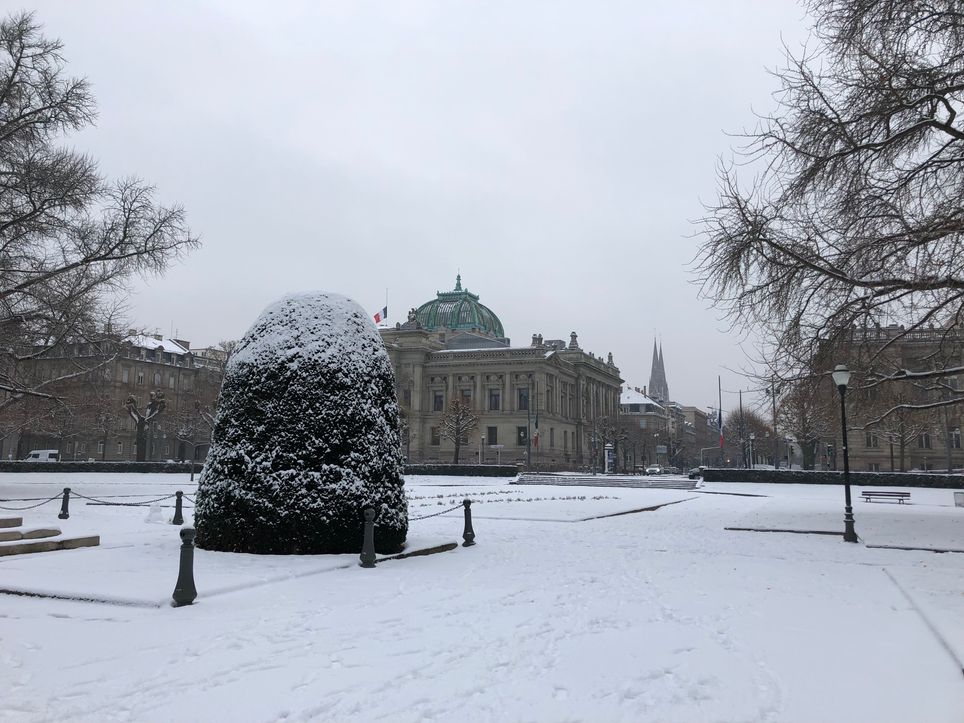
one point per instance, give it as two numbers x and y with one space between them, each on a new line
841 377
752 460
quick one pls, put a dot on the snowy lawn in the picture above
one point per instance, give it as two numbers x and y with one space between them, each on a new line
658 615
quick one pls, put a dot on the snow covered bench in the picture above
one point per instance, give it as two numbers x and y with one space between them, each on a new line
871 495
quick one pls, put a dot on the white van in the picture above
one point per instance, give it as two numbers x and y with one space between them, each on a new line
43 455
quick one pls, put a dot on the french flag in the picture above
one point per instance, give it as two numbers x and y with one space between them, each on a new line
380 316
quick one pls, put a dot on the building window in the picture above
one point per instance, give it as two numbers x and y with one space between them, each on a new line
436 437
167 448
140 378
170 381
523 399
120 449
521 435
100 448
871 441
956 438
126 375
407 397
492 435
565 439
466 396
924 440
157 379
495 400
552 436
438 403
873 467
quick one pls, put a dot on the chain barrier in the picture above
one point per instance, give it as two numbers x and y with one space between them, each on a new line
145 503
189 499
436 514
18 509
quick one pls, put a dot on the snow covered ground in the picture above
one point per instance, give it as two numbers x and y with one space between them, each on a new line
565 610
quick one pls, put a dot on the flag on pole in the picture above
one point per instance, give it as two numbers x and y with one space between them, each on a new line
380 316
720 425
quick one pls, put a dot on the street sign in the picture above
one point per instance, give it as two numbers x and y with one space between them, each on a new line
660 449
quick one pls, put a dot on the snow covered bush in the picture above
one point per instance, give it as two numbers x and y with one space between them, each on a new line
306 436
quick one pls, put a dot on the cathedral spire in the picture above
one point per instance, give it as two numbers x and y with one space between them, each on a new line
658 387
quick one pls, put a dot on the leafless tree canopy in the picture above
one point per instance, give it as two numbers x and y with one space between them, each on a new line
854 213
69 239
456 425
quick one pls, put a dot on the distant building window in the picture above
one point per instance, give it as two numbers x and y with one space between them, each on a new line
466 395
125 375
492 435
523 399
120 449
438 403
140 378
436 437
873 467
565 439
100 448
495 400
871 440
924 440
521 435
157 379
956 439
170 381
552 436
407 397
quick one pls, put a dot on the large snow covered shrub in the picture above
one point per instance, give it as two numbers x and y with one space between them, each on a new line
306 436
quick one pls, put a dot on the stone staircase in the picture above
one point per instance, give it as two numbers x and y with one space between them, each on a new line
14 540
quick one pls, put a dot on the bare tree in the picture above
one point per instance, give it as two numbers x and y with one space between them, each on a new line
69 240
854 215
456 425
155 406
806 412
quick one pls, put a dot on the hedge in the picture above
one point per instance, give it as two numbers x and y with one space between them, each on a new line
463 470
812 477
72 466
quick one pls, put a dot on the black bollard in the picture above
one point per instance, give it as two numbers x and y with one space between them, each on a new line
178 514
367 558
192 470
64 511
184 590
469 534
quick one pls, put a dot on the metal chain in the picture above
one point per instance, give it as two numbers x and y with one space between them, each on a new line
122 504
18 509
425 517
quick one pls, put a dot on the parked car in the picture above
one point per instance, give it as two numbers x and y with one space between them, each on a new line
654 469
43 455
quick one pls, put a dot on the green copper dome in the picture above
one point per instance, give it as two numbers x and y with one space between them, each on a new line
458 309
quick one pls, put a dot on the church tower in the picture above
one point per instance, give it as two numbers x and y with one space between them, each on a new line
658 388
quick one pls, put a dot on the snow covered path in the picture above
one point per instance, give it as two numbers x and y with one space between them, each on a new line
657 616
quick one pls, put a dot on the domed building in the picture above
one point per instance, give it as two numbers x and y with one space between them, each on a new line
538 404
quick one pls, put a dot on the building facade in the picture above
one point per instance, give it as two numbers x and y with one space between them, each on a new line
94 382
926 439
543 404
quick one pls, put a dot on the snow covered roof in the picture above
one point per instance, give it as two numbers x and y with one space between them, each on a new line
149 342
631 396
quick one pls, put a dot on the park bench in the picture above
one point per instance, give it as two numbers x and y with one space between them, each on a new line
871 495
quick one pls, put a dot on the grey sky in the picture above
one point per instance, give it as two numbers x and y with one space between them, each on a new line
554 152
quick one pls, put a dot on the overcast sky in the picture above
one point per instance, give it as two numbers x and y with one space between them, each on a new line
554 152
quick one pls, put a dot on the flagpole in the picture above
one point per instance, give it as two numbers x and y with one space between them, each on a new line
719 389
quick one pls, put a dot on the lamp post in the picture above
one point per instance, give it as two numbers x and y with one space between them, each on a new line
789 442
481 444
752 460
841 377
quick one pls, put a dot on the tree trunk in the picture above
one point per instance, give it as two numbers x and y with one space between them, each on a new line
458 448
903 446
141 441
